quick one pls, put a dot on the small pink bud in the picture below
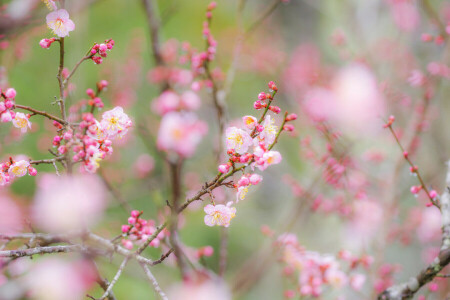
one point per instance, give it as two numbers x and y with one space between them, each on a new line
415 189
9 103
224 169
135 213
275 109
208 251
32 171
211 6
291 117
67 135
257 104
62 149
10 93
90 93
433 194
259 128
57 139
6 117
131 220
426 37
244 181
125 228
405 154
288 127
262 96
273 86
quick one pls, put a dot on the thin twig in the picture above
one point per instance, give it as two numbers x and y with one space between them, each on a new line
116 277
153 281
42 113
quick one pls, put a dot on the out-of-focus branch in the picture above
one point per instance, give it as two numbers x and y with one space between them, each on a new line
153 24
153 281
116 277
42 250
408 289
115 192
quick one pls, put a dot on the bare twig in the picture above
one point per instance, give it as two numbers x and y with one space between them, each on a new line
116 277
42 250
153 281
153 23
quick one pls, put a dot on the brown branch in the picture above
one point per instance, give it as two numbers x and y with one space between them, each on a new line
42 250
153 24
116 277
42 113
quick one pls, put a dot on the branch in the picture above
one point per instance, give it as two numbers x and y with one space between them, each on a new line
408 289
42 113
42 250
153 281
116 277
153 24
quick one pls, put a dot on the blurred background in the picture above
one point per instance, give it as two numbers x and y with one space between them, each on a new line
343 66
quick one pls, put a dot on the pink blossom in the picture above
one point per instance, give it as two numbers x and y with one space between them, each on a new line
406 15
166 102
238 140
255 179
224 168
115 122
219 214
19 168
65 203
55 279
181 133
357 281
416 78
59 22
249 122
10 216
267 159
267 136
21 121
241 193
190 100
144 165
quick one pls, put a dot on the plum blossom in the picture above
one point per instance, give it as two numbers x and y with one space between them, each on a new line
238 140
21 121
54 279
65 203
51 5
115 122
270 131
241 193
267 158
249 122
19 168
59 22
181 133
219 215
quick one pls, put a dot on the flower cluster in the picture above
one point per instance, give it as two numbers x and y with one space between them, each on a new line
99 51
250 146
11 169
314 271
92 143
139 230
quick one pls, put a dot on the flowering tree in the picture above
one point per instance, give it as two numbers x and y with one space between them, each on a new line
124 188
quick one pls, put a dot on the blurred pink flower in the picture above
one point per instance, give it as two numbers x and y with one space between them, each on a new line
10 216
65 203
202 287
359 103
429 229
144 165
405 13
219 215
181 133
238 140
56 279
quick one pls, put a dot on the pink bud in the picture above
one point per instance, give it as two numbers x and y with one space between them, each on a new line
67 135
103 84
262 96
125 228
135 213
275 109
244 181
288 127
32 171
224 169
57 139
9 103
90 93
415 189
426 37
10 93
259 128
291 117
433 194
131 220
208 251
211 6
273 86
257 104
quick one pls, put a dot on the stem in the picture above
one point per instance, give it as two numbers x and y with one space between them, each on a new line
153 24
42 113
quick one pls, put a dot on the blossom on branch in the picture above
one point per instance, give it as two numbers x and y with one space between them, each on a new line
59 22
21 121
219 215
